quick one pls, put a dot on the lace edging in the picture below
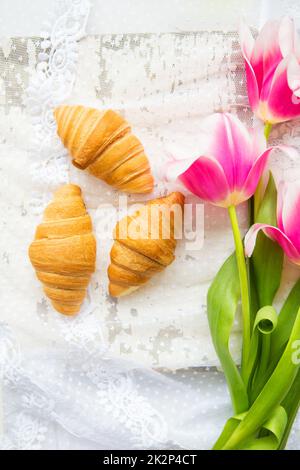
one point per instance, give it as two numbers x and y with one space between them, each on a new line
49 86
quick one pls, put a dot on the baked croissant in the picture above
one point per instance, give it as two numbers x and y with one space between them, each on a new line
103 143
144 243
63 252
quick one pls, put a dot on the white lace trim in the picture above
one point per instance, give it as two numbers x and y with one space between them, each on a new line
42 402
117 393
51 85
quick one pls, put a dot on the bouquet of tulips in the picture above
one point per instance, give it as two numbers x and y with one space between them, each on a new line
231 169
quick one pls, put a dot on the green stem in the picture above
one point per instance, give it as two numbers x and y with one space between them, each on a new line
273 393
258 195
242 268
267 130
291 404
257 198
264 357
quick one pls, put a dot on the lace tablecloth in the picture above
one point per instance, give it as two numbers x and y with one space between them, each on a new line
129 373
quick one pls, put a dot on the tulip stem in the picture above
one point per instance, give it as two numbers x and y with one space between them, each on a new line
267 130
242 268
258 195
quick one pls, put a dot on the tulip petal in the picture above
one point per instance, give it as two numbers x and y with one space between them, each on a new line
288 38
205 178
281 191
283 104
259 166
290 212
247 47
266 53
259 142
175 167
232 147
276 235
246 40
283 33
256 172
293 76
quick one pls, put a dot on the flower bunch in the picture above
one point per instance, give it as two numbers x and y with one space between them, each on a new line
227 171
273 70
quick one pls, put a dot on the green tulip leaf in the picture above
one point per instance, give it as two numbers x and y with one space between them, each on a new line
291 404
264 325
286 321
274 392
269 437
267 258
222 302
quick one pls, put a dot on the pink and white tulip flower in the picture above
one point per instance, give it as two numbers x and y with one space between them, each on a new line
287 234
229 165
273 70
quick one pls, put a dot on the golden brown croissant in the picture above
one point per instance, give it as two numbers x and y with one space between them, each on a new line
63 252
103 143
144 243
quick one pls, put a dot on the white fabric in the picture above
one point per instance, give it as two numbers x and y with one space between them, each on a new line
25 17
85 382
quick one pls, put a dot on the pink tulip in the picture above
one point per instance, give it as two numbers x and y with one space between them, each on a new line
273 70
287 235
227 169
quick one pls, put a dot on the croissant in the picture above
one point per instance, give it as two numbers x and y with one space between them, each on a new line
63 252
103 143
144 243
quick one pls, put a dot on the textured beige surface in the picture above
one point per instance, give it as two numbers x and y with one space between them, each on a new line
25 17
163 84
